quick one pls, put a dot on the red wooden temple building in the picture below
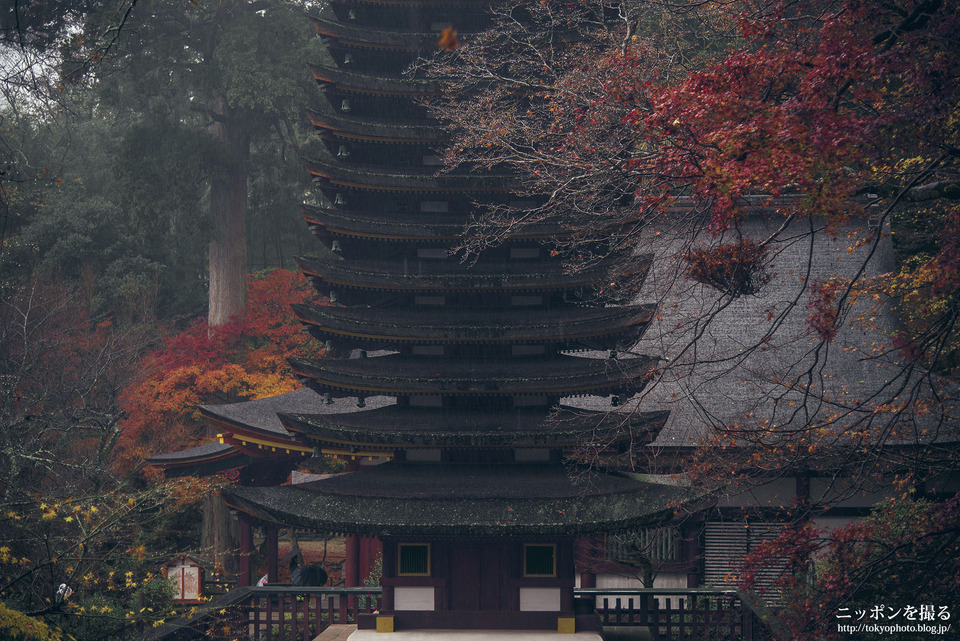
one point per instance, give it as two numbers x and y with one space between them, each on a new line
445 381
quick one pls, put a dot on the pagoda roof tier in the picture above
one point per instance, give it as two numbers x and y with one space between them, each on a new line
426 180
360 36
374 130
417 226
397 427
401 499
564 325
365 83
450 276
399 375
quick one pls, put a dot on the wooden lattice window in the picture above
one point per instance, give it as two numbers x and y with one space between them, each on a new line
539 560
413 559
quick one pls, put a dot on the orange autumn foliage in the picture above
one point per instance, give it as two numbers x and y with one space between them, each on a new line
246 359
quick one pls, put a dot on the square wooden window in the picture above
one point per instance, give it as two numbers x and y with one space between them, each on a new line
539 560
413 559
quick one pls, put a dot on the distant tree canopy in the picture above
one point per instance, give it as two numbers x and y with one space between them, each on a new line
169 143
229 73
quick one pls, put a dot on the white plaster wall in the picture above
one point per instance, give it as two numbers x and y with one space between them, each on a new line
539 599
414 598
666 580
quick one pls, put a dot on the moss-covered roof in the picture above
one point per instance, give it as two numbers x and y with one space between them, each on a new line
396 499
451 276
564 325
426 179
409 427
396 374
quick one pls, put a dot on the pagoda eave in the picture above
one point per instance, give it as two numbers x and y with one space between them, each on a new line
390 427
377 85
412 326
350 35
507 278
499 500
392 375
354 129
371 226
374 179
202 460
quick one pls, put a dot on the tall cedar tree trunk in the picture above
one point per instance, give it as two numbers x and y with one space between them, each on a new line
228 208
229 168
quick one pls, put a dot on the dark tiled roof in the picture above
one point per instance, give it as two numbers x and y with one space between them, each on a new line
351 81
566 325
368 129
412 226
210 450
411 179
379 224
466 500
261 415
736 376
495 377
441 276
426 428
383 38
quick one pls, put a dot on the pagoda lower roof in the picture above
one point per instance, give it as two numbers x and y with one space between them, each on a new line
384 179
415 226
400 499
451 276
366 83
375 130
399 375
360 36
402 427
566 325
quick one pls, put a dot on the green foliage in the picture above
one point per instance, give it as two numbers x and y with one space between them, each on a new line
17 626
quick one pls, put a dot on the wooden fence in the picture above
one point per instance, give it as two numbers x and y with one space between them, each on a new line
287 613
685 615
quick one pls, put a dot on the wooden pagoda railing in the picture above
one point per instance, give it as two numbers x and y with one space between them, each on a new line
287 613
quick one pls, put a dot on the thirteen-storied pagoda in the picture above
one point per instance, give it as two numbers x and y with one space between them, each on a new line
477 513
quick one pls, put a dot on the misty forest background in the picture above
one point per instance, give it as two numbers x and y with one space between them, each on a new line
148 147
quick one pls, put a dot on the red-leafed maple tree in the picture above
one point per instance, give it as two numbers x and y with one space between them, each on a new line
835 121
245 359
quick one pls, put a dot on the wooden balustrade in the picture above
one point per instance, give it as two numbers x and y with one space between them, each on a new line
288 613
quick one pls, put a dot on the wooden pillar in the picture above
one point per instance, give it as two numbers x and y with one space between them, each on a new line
246 551
588 579
273 573
351 561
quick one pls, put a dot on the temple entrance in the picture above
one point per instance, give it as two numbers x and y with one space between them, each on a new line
475 577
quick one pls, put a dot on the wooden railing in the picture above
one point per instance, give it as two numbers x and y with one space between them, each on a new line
287 613
686 614
269 613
